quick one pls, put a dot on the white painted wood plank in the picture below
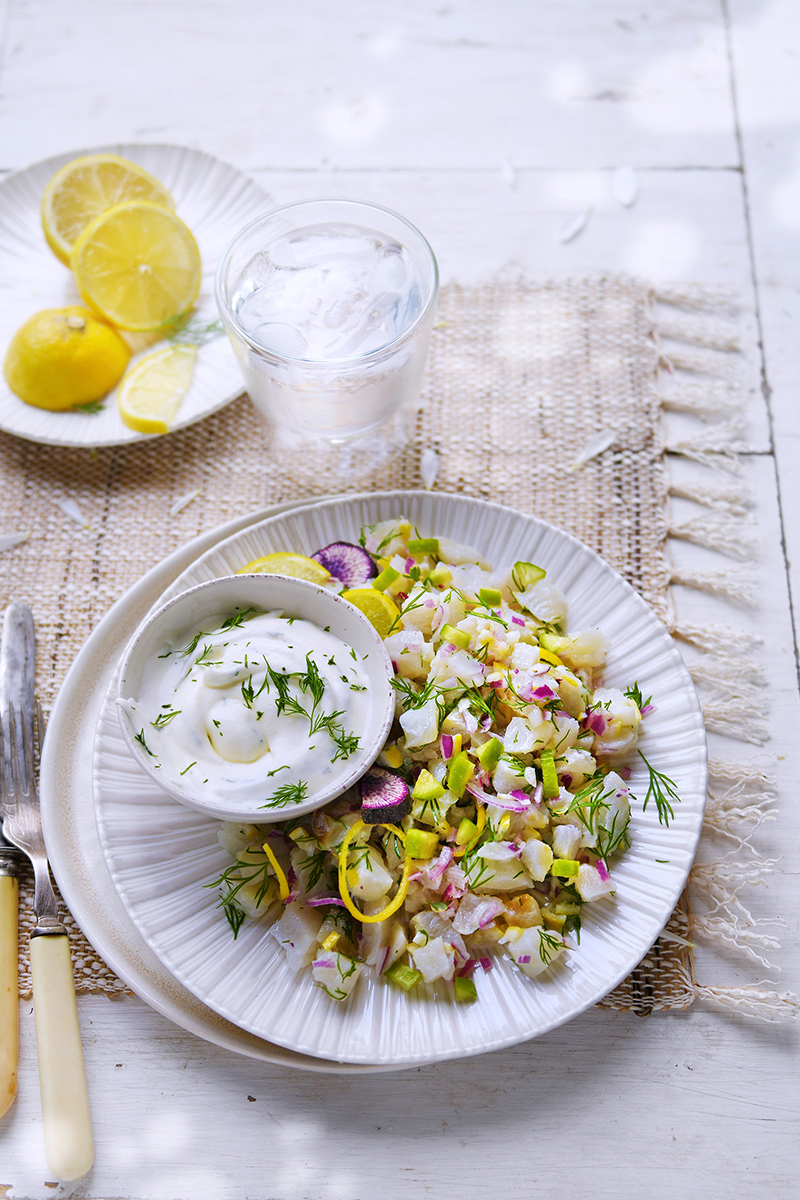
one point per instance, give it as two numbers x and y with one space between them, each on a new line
373 84
679 1106
691 1105
765 43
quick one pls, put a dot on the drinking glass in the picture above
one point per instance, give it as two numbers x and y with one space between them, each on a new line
329 305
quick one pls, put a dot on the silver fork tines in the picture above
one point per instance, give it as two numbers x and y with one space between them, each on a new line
22 822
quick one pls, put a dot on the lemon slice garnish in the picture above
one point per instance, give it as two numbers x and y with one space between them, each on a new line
138 266
87 187
379 609
152 391
283 562
62 357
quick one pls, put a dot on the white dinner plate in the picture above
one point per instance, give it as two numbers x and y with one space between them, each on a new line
161 855
214 199
70 829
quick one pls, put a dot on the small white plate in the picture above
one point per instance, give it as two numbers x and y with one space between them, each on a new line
214 199
160 855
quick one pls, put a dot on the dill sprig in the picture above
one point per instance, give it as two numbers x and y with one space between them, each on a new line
289 793
662 790
634 693
140 738
164 718
196 332
232 880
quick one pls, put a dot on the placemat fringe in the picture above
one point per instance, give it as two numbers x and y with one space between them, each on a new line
752 1001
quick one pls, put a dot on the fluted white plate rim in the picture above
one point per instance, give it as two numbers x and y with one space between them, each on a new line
159 859
215 200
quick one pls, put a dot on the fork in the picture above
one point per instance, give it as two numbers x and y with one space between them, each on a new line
62 1076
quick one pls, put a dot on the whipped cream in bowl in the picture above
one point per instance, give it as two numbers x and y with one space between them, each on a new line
256 697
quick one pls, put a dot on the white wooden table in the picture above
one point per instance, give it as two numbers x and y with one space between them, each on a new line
489 126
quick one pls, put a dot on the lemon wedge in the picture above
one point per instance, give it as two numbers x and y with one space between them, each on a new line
138 266
283 562
63 357
379 609
152 392
87 187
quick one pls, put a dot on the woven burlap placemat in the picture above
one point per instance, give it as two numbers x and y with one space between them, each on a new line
521 380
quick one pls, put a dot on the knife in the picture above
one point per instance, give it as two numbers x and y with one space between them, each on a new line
62 1076
10 861
9 976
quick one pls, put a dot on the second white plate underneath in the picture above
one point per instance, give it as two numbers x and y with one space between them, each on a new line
161 856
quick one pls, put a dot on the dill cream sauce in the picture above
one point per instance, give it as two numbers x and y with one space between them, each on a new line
263 705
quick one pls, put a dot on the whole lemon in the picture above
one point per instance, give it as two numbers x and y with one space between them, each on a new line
63 357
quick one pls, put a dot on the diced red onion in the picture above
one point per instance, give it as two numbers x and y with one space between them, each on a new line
596 722
410 562
517 620
524 958
490 915
602 869
441 864
447 746
538 792
319 901
518 794
324 962
625 772
648 708
386 954
486 963
495 683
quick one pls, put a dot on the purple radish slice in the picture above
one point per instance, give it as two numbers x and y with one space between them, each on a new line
385 798
350 564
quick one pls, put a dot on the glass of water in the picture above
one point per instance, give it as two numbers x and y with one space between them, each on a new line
329 305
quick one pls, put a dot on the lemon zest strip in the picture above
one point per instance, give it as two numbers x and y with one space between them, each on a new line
283 883
344 890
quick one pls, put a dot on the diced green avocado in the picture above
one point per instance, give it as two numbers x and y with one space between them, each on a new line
420 843
490 753
491 597
553 642
565 868
467 830
457 637
405 977
387 577
549 775
426 787
441 575
461 771
465 990
525 574
424 546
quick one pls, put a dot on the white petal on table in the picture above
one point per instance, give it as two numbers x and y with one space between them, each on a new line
575 226
625 186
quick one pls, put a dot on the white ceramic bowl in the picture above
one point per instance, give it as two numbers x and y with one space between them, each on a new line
211 603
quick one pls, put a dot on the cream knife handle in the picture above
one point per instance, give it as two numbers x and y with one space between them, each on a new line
9 990
62 1077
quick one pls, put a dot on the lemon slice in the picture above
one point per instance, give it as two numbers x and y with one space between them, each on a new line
379 609
152 391
283 562
87 187
64 357
138 266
